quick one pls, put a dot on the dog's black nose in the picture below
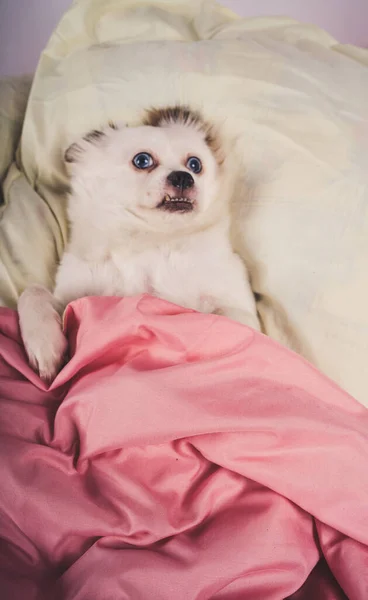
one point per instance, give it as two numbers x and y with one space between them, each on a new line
181 180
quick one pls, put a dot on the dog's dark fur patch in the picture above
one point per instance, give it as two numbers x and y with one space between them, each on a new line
94 135
183 115
158 117
71 153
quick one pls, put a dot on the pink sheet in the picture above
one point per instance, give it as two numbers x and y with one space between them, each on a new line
177 456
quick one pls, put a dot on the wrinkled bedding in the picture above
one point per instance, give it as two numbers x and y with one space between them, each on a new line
177 455
294 100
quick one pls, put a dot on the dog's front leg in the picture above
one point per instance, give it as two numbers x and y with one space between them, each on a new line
41 329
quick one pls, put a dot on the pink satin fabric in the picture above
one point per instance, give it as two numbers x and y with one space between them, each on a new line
177 456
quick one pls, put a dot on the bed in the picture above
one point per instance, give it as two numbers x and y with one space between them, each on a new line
179 455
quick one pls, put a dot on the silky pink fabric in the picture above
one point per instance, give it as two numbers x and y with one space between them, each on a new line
177 456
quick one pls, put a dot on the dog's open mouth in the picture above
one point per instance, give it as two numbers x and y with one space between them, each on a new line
176 204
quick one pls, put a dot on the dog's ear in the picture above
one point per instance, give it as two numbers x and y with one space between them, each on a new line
74 153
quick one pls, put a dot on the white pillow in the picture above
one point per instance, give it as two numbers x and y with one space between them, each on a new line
299 108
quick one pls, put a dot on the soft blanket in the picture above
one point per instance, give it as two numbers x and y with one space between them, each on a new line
177 456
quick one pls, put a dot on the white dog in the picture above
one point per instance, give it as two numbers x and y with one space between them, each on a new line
149 211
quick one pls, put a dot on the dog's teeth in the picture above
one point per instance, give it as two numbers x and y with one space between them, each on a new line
168 198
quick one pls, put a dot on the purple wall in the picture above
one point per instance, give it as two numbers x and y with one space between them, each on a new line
346 20
25 25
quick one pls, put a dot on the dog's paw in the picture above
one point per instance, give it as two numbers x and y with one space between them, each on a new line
42 332
46 348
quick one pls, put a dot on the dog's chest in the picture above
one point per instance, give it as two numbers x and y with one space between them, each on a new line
178 275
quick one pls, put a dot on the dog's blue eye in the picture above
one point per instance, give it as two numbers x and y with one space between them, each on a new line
194 164
143 160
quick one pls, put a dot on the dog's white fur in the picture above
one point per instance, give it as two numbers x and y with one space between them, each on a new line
121 242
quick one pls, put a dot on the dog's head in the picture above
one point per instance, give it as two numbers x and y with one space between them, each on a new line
164 174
